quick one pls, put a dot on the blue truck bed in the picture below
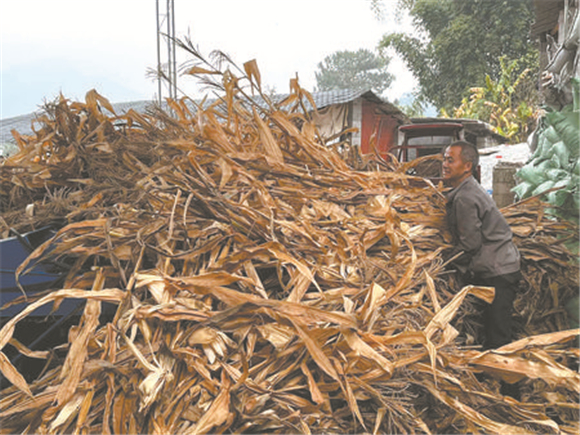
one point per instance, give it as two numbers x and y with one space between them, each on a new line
13 251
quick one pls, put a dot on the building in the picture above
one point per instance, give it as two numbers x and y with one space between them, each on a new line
376 122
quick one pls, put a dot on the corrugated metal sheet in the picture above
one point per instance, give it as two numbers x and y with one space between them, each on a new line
342 96
329 98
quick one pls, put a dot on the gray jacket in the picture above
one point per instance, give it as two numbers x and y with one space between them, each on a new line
481 232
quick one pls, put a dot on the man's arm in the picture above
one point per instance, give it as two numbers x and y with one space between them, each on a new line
468 227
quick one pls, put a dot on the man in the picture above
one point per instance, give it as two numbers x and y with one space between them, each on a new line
483 240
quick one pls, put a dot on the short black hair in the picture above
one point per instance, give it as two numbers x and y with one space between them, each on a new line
469 153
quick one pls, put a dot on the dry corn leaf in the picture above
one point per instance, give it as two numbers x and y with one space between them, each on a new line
269 286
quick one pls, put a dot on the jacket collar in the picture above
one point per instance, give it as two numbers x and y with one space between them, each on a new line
451 195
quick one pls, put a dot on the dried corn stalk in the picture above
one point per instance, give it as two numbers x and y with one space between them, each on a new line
263 285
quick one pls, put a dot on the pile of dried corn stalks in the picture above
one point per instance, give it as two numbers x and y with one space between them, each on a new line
264 286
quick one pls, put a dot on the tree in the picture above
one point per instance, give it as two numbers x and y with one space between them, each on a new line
458 42
501 103
358 70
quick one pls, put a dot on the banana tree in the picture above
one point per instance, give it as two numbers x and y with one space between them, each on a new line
498 104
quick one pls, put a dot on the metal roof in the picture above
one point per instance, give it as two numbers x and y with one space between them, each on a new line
341 96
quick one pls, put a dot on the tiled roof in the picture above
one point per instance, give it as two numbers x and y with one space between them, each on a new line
341 96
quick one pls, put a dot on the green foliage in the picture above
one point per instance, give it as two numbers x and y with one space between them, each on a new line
358 70
500 103
555 163
458 42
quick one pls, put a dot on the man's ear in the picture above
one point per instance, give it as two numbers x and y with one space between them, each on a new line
470 166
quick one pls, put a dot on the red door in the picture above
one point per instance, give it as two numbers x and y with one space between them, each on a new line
378 130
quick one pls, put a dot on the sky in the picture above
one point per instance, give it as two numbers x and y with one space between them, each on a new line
72 46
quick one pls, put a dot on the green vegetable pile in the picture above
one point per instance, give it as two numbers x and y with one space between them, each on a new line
554 168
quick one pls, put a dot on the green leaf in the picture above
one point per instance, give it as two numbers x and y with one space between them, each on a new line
555 161
557 174
558 197
544 165
488 82
546 185
560 150
551 134
567 125
576 167
546 138
523 189
531 174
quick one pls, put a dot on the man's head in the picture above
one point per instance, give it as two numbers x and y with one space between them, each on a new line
459 162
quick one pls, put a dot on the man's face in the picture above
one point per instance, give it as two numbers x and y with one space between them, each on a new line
455 170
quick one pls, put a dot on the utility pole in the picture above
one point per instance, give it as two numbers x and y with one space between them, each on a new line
166 52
